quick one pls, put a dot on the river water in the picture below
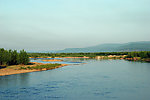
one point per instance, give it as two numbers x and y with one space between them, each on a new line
95 80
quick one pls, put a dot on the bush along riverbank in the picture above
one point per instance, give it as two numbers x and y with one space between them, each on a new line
138 56
131 56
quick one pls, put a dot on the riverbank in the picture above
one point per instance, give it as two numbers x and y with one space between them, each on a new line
124 57
17 69
60 57
53 60
101 57
138 59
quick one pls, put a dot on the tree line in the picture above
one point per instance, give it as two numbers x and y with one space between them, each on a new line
75 54
142 54
12 57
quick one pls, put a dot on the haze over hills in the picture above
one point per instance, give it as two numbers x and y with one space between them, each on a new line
111 47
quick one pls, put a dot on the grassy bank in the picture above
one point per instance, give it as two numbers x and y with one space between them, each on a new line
17 69
40 67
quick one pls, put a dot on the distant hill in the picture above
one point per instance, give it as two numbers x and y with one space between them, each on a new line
111 47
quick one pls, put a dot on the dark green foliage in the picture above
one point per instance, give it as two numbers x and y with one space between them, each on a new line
23 68
9 57
23 57
4 57
142 54
14 57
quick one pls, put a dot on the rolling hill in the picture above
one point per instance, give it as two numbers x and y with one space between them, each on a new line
111 47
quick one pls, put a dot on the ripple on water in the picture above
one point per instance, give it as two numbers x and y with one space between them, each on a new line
103 92
102 82
54 97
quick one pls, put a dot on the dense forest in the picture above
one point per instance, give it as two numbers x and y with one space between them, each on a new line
12 57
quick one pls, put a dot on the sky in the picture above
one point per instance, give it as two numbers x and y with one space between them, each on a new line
59 24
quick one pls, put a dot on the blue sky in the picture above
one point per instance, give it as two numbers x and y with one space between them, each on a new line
58 24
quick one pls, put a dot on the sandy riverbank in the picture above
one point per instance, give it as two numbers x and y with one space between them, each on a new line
60 57
15 69
52 60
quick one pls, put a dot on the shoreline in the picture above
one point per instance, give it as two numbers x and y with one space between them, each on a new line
53 60
59 57
11 71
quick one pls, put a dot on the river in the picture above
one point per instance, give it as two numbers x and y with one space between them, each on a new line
95 80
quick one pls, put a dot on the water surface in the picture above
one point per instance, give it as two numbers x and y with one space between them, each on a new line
64 60
96 80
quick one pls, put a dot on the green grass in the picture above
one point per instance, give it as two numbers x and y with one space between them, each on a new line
40 67
23 68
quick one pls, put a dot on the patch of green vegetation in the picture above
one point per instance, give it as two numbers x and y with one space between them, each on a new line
91 55
137 55
40 67
12 57
141 54
23 68
47 66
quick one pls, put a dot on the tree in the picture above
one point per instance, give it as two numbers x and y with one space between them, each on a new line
1 55
4 57
23 57
14 58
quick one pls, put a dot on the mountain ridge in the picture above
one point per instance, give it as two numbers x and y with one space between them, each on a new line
111 47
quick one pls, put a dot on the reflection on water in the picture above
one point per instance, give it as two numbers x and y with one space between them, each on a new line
96 80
